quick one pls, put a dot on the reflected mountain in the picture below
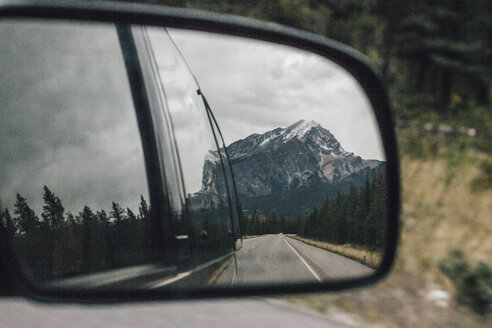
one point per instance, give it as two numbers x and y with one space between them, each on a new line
286 171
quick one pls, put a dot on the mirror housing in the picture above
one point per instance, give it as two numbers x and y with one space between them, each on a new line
13 281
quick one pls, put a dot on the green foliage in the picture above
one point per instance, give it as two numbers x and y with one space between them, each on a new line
478 117
447 46
484 180
424 137
413 143
473 283
457 153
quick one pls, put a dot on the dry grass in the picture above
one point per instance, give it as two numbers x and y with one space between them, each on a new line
439 212
372 259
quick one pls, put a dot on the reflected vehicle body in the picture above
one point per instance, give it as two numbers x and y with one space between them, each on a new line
117 238
206 222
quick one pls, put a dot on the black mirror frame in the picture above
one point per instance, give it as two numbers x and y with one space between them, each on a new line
12 282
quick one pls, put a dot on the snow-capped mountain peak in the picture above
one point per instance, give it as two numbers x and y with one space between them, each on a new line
299 129
308 132
303 156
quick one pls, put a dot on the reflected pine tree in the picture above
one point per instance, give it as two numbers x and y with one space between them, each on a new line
358 217
63 244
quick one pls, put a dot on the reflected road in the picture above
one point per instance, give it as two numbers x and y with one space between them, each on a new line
280 259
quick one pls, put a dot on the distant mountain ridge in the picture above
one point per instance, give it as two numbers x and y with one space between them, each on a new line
288 171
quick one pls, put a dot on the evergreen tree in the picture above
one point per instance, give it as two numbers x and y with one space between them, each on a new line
71 219
117 213
133 233
52 209
89 227
102 217
143 209
131 216
73 235
108 245
27 219
357 217
145 215
118 239
35 244
7 221
447 43
54 236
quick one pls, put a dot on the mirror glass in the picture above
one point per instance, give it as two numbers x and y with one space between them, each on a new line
269 159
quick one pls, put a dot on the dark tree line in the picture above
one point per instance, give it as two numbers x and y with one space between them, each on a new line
357 217
60 243
258 224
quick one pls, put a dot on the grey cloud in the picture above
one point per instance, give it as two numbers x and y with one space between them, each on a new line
67 117
256 86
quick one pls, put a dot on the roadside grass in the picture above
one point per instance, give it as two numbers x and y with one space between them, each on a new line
473 282
441 210
369 258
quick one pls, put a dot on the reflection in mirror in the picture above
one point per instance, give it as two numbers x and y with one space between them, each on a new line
73 186
307 158
270 157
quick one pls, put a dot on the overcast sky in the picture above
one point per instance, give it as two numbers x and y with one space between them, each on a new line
254 86
67 118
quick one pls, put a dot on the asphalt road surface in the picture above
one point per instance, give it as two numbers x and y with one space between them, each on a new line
226 313
280 259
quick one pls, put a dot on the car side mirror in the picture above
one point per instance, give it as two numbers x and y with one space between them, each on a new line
152 152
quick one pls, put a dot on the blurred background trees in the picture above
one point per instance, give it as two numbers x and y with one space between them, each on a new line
434 55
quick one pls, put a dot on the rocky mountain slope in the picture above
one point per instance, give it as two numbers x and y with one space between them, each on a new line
288 171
